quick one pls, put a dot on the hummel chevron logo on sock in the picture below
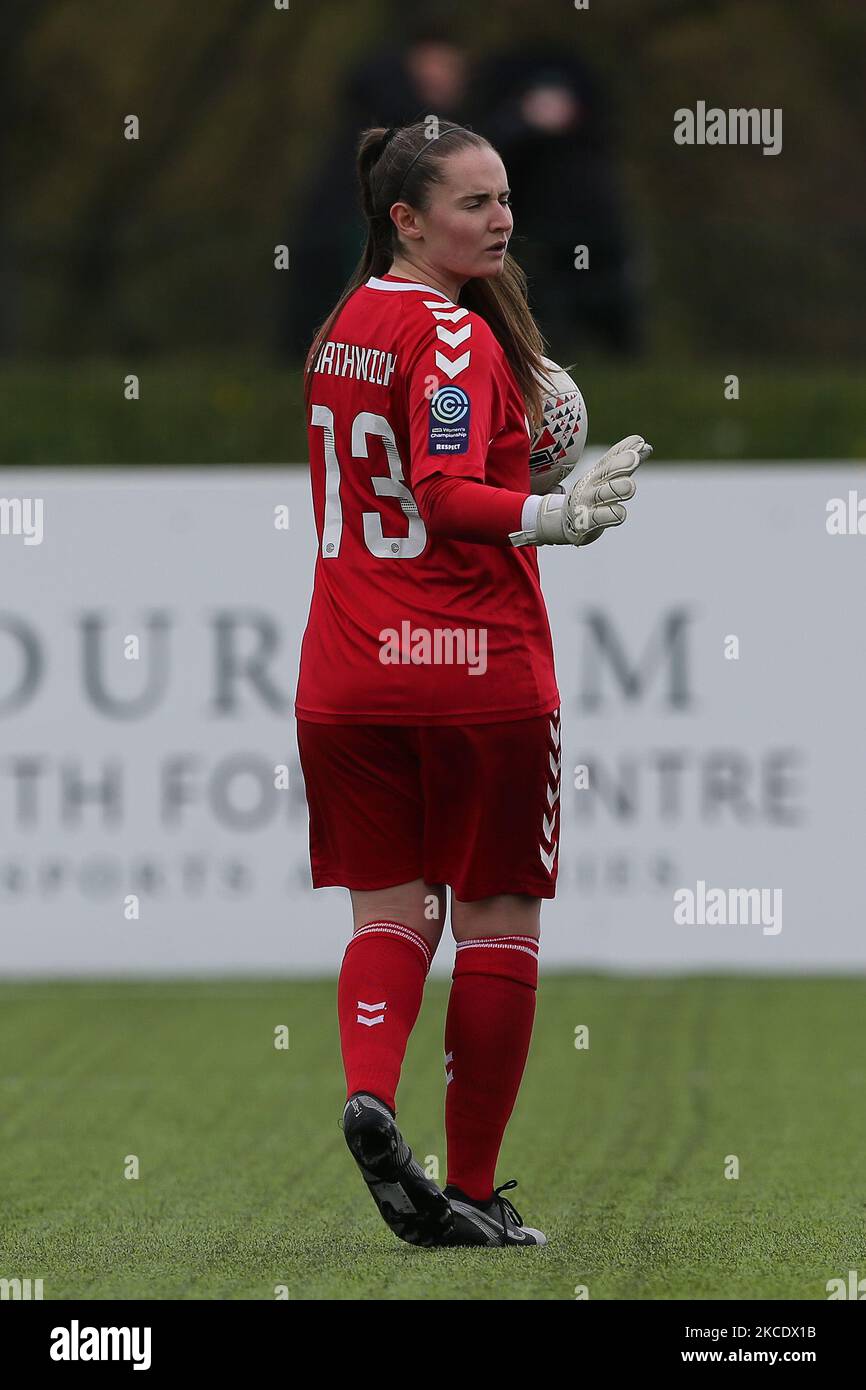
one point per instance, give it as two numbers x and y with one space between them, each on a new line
381 981
371 1008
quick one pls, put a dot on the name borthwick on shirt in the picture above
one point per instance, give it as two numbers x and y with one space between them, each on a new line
364 364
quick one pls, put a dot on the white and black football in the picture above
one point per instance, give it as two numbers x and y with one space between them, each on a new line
559 440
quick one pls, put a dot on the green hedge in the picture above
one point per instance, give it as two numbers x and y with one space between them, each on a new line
230 412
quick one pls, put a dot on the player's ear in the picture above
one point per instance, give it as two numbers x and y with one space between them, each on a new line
404 220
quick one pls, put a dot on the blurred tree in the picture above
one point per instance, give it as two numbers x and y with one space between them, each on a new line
17 20
168 244
120 193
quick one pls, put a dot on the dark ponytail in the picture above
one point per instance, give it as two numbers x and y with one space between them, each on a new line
400 164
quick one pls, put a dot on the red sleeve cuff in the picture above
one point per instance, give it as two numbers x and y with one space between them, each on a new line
460 509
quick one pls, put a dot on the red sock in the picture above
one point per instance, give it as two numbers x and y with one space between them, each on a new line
378 998
487 1032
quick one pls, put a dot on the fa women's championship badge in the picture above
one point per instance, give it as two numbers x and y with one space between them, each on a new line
448 427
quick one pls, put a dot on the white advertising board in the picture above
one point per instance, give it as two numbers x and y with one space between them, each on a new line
711 658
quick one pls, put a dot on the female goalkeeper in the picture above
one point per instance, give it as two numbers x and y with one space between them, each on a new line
427 705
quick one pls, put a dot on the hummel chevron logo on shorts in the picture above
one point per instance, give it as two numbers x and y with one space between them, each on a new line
549 843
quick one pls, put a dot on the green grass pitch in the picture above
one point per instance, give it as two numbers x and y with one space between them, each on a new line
620 1149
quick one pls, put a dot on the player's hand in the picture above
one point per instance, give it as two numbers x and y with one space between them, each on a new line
596 499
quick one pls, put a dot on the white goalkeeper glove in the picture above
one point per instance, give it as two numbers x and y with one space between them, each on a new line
593 503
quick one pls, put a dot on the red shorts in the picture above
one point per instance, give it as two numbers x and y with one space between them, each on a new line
474 806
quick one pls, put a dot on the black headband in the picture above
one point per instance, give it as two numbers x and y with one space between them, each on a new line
386 140
452 129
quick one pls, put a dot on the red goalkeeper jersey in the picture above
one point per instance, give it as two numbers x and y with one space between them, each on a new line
408 625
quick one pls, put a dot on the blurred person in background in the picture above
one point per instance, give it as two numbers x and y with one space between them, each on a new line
546 112
427 72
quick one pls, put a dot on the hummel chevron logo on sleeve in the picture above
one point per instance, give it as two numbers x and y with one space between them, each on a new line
457 337
451 338
452 367
455 315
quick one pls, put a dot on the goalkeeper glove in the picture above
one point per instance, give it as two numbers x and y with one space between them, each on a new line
593 503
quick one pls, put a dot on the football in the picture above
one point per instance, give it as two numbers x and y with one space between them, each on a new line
559 440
